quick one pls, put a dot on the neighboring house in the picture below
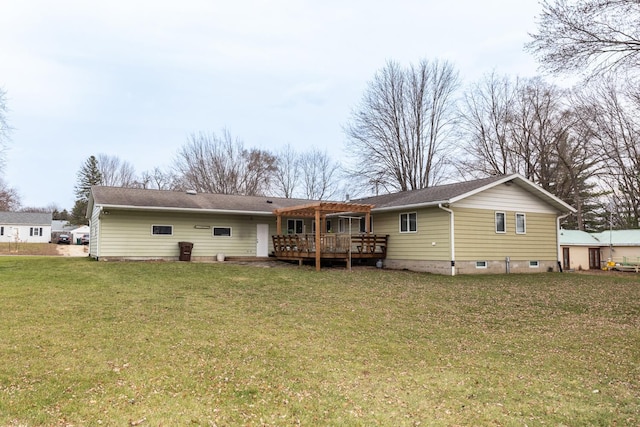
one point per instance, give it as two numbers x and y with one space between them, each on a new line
77 233
582 250
492 225
26 227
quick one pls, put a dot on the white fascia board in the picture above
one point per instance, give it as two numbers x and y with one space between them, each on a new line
189 210
413 206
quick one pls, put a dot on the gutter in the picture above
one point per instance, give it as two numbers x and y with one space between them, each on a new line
414 206
558 218
175 209
452 238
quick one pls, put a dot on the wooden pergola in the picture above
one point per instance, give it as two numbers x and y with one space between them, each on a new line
319 211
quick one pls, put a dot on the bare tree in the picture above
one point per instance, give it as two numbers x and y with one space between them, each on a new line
320 175
403 124
213 164
527 126
5 129
160 180
285 177
613 120
588 35
9 197
116 172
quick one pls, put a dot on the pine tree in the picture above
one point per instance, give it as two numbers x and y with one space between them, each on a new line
88 176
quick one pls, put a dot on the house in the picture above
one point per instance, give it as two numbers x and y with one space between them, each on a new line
78 232
493 225
25 227
499 224
140 224
582 250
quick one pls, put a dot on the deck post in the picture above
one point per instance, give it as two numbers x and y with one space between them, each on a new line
279 224
318 245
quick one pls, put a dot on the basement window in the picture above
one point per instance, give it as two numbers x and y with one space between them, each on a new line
221 231
481 264
534 264
162 230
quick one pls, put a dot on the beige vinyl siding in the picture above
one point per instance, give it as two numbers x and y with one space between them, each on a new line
433 226
476 237
128 234
94 232
506 198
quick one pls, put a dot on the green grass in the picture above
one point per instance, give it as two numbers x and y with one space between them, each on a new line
86 343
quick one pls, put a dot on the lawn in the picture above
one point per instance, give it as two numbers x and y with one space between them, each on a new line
85 343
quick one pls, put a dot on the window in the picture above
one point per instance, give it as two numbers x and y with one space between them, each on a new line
35 231
294 226
408 222
342 225
329 230
222 231
1 231
521 223
501 222
481 264
534 264
162 230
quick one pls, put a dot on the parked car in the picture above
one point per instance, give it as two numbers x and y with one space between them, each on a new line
64 239
85 239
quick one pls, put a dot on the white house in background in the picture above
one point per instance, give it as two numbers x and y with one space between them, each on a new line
26 227
77 233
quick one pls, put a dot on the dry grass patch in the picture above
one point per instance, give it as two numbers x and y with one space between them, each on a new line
87 343
20 248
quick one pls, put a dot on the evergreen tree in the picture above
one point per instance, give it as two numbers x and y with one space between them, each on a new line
88 176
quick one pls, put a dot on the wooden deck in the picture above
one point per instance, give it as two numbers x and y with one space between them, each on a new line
298 247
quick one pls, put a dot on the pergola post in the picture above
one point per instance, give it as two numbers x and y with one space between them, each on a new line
279 224
318 245
367 222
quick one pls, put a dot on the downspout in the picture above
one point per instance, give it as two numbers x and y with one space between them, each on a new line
452 229
558 252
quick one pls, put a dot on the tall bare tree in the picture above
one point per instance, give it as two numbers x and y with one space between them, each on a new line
285 177
526 126
614 122
320 175
214 164
593 36
403 124
116 172
5 129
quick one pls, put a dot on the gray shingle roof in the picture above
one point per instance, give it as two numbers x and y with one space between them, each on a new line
25 218
178 200
440 193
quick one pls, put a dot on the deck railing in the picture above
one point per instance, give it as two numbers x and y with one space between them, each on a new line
331 245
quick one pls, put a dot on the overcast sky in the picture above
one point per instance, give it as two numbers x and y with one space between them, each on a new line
134 78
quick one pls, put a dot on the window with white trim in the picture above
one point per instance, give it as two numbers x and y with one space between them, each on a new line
295 226
162 230
481 264
363 221
501 222
221 231
35 231
534 264
521 223
408 222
